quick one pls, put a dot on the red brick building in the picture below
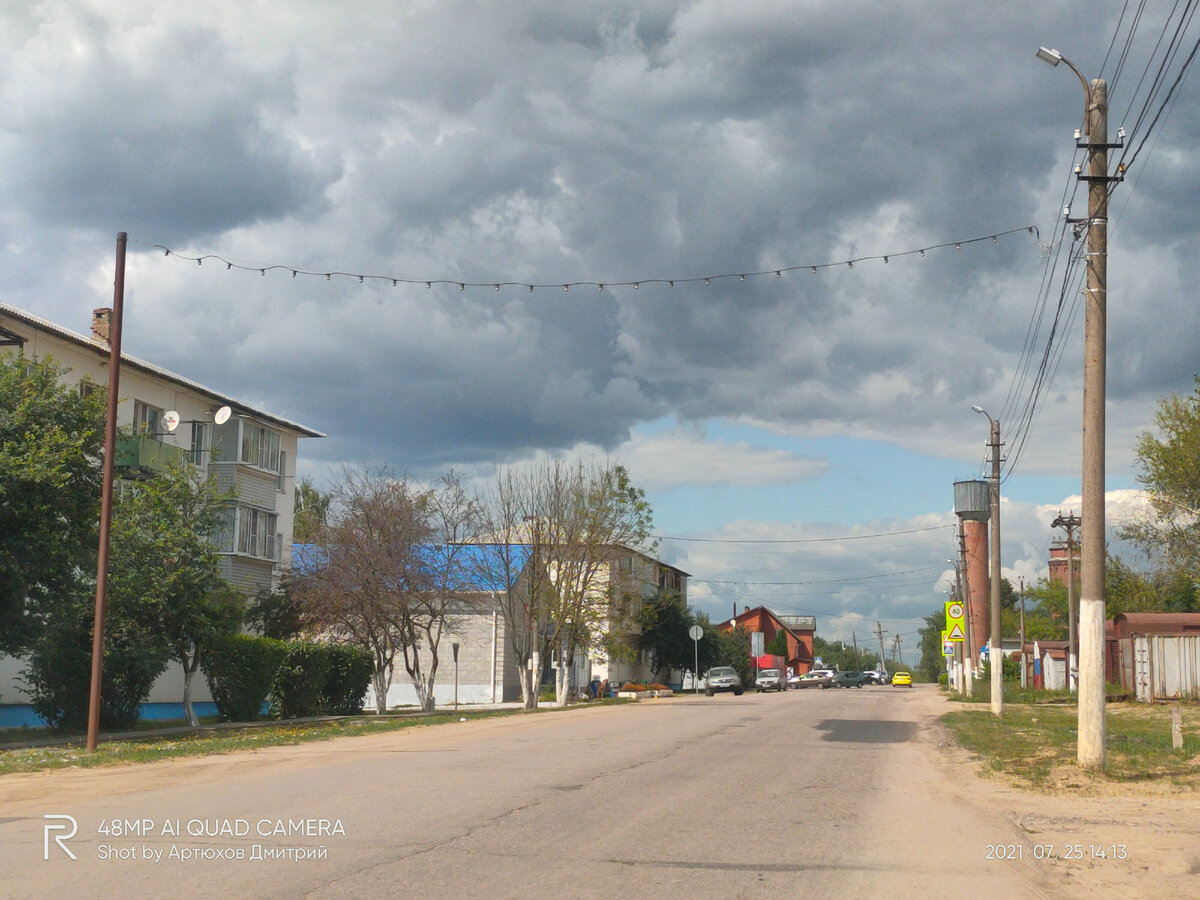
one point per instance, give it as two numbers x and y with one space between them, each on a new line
799 631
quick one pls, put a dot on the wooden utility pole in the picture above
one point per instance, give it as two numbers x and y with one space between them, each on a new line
1070 522
106 494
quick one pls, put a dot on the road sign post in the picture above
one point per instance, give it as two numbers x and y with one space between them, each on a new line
695 633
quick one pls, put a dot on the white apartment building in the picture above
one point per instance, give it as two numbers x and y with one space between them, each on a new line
247 448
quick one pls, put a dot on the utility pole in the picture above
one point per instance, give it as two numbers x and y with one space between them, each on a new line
1024 677
995 642
1070 522
969 670
882 655
106 494
854 638
1090 747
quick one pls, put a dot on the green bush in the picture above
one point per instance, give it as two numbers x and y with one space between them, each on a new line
348 672
58 673
299 687
240 669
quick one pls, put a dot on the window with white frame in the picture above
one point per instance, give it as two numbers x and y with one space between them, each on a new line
256 532
200 444
147 419
260 447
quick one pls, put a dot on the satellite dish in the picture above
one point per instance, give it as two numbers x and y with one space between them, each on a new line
170 421
221 416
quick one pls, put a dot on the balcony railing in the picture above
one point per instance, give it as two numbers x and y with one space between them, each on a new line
143 454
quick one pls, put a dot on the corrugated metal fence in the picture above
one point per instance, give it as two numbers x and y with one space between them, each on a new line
1165 666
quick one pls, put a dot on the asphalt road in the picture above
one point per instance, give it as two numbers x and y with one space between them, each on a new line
834 793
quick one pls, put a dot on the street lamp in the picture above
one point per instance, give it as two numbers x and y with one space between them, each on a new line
995 642
1091 750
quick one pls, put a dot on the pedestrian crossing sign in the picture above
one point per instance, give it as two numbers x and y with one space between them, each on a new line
956 621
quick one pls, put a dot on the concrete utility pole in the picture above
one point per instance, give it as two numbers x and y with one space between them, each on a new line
968 654
1090 747
1070 523
995 642
882 655
1024 676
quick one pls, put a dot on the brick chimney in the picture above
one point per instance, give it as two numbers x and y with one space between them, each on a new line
101 325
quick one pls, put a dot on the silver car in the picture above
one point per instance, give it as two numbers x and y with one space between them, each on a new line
769 680
723 679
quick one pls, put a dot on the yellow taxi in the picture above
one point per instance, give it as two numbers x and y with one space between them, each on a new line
902 679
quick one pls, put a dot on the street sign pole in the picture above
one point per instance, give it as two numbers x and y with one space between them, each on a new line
695 633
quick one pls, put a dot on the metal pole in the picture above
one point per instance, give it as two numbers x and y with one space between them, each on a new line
106 491
1091 750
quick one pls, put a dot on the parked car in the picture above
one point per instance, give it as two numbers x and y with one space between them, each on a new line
877 676
850 679
818 678
769 680
902 679
723 679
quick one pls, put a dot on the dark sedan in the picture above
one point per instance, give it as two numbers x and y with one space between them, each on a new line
851 679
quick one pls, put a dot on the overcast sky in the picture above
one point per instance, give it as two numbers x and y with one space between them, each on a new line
590 143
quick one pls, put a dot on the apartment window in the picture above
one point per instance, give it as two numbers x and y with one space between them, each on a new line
282 475
87 388
256 533
260 447
147 419
200 444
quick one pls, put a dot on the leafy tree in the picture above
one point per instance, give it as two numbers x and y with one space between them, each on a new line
664 623
165 569
278 613
557 596
1127 590
932 662
367 567
1170 472
311 510
51 439
778 645
59 665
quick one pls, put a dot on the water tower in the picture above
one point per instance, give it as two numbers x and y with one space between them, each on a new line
972 505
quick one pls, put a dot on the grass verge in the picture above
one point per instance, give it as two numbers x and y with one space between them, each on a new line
1036 746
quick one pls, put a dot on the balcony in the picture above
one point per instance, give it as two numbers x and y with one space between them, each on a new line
142 455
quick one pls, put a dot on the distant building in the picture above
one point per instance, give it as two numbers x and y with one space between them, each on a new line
799 630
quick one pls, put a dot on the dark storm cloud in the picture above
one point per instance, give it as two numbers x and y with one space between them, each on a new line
556 142
174 138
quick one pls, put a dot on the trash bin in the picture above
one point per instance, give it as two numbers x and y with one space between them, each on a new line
595 686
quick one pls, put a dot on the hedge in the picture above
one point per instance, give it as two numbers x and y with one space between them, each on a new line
240 669
348 672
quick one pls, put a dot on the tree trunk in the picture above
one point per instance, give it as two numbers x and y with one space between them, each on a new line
381 681
190 664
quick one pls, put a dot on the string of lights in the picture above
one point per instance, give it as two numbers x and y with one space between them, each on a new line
396 280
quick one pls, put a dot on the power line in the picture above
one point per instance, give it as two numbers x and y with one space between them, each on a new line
851 537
